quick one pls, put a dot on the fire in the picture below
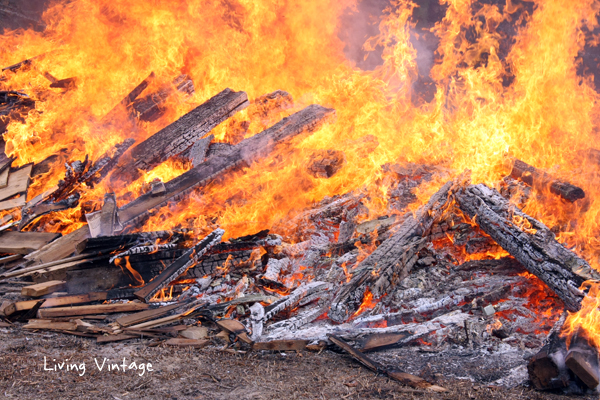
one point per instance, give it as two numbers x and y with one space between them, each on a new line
588 318
496 92
367 303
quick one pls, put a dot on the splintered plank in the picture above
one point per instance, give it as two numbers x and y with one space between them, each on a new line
60 248
182 133
393 260
248 151
43 288
529 241
179 266
27 305
24 242
4 177
18 182
91 310
540 180
50 325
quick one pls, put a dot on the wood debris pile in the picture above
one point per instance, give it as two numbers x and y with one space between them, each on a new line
467 269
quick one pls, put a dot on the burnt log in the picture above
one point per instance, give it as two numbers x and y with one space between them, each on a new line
393 260
547 368
105 163
529 241
183 133
539 179
247 151
582 360
325 163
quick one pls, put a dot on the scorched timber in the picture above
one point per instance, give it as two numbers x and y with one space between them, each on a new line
540 179
180 265
247 151
529 241
393 260
182 133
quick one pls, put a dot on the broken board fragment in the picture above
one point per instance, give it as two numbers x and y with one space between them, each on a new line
44 288
25 242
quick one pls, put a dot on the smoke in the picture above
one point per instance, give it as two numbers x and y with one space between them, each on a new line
22 14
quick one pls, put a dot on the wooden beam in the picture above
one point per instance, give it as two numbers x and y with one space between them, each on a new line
247 151
44 288
183 133
114 294
92 309
539 179
529 241
25 242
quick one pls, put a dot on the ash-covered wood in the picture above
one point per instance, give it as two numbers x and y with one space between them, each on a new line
105 163
393 260
249 150
111 242
547 368
529 241
540 179
183 133
181 265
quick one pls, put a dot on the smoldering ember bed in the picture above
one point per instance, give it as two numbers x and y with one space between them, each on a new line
403 191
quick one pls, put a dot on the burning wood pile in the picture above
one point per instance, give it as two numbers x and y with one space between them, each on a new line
393 281
191 215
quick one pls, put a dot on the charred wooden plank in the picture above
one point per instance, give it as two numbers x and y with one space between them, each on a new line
249 150
529 241
546 369
129 99
540 179
25 242
106 163
110 242
393 260
180 265
184 132
33 211
582 360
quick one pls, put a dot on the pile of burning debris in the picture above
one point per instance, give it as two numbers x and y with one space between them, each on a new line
466 270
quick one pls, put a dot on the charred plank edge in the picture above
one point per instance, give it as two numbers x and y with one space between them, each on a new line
179 135
180 265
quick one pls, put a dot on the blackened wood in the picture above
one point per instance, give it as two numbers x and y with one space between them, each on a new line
247 151
184 132
582 360
182 264
129 99
529 241
540 179
544 369
393 260
110 242
325 163
33 212
105 163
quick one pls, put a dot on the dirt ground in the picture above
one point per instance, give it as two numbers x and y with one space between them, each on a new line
207 373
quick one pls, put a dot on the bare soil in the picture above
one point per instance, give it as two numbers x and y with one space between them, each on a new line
210 373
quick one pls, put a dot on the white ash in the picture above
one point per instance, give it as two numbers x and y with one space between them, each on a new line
274 268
